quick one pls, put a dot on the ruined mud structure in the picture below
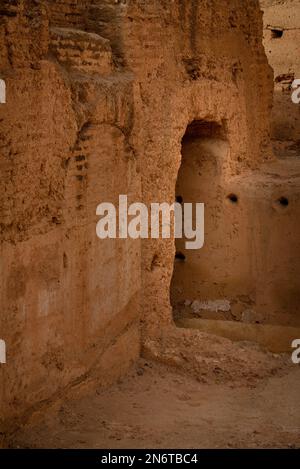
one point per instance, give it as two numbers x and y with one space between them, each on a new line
281 40
159 100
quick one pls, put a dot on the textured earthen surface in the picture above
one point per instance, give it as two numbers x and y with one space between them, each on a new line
282 44
69 303
156 407
99 97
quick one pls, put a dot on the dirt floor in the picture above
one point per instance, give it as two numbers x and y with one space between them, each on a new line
155 407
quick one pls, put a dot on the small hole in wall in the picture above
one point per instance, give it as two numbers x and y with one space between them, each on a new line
277 33
283 201
179 199
155 262
233 198
179 256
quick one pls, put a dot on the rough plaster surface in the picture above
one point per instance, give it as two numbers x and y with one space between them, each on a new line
99 97
283 52
67 300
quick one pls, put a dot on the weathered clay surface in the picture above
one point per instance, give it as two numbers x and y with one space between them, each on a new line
99 97
69 303
282 44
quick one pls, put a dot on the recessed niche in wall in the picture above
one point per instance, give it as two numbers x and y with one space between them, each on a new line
179 256
281 203
233 198
204 151
277 33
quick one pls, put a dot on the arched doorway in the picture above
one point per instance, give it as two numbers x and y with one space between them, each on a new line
200 284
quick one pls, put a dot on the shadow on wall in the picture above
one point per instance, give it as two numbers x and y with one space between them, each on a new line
204 153
242 283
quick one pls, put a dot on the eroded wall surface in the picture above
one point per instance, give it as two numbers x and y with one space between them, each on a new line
100 95
211 66
281 40
69 303
248 269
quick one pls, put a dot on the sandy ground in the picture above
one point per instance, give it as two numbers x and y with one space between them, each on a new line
157 407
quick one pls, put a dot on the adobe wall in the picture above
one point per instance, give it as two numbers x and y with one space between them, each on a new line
220 75
69 303
250 260
282 44
100 95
